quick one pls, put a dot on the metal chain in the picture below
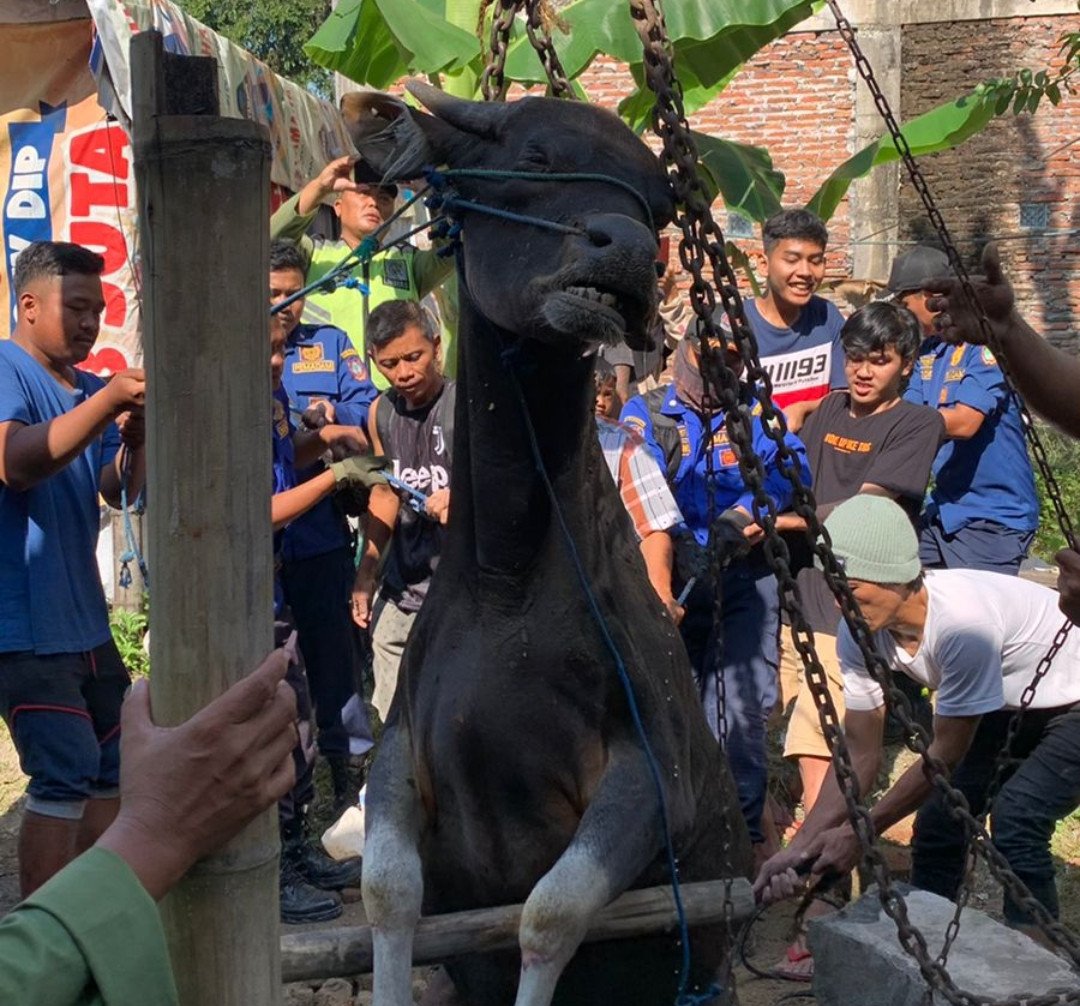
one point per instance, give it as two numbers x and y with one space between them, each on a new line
703 241
862 64
1035 444
493 82
538 18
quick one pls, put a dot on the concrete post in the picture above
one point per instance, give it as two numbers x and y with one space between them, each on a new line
204 195
874 201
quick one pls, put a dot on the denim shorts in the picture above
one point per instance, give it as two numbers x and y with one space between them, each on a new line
63 711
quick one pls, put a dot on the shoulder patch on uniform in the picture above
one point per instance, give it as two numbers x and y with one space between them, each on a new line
988 357
634 422
348 352
356 366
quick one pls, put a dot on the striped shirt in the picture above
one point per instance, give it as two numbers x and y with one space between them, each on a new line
641 483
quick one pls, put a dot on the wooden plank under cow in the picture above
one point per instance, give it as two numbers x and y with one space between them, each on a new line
346 950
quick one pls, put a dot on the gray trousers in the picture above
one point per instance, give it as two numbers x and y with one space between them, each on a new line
390 629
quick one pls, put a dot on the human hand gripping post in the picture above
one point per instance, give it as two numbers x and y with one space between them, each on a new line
173 810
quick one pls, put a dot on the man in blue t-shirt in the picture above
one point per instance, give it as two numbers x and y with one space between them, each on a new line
65 438
797 332
983 509
326 382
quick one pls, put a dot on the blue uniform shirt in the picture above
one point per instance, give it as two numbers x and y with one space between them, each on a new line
51 598
988 477
284 475
321 365
689 483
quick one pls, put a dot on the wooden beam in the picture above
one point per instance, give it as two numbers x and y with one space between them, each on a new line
346 950
203 184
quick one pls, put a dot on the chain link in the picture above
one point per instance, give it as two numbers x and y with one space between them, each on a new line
862 64
493 83
703 243
538 18
1035 444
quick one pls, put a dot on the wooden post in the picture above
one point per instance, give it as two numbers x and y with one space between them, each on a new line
346 950
204 195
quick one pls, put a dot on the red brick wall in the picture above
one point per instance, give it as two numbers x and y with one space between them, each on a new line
796 98
981 185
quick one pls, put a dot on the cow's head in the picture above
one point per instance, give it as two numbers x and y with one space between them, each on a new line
595 286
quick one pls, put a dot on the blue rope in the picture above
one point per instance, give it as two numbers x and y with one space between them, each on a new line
683 996
132 552
414 494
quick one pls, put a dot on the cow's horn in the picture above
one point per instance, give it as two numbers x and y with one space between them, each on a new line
479 117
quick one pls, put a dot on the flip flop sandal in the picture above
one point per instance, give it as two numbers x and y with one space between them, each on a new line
795 955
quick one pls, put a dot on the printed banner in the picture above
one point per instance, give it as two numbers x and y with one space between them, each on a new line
305 131
66 169
66 174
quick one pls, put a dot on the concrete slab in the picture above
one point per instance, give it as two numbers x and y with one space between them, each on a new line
858 958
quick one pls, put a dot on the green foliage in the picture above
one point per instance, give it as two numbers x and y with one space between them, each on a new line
742 174
273 30
1064 455
128 630
377 42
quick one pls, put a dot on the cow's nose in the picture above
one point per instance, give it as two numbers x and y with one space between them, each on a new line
603 229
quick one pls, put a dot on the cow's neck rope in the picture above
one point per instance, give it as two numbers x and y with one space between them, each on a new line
684 996
447 201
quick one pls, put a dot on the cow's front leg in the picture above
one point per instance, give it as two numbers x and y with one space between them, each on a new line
392 882
618 837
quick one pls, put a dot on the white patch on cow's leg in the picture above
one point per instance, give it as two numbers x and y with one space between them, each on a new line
392 882
618 837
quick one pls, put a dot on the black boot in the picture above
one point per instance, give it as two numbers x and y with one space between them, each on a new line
313 865
326 873
346 790
300 902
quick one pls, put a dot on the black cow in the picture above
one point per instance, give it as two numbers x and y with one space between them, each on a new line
510 769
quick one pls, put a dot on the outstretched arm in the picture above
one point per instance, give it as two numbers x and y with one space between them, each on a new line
1045 376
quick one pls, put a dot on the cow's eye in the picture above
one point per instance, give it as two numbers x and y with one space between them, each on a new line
535 158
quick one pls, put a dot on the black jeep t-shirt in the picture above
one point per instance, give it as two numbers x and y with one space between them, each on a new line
892 449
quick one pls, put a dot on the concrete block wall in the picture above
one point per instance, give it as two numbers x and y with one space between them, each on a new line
1030 160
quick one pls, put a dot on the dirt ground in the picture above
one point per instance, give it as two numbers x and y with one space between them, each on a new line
765 946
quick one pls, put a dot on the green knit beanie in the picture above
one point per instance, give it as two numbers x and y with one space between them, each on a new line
873 540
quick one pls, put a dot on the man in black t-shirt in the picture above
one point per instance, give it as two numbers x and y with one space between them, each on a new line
412 425
866 439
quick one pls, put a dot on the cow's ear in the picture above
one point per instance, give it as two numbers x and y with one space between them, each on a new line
396 140
478 118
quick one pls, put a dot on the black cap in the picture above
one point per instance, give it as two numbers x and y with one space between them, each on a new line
914 269
365 174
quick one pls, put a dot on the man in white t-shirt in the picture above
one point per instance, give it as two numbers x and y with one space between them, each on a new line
976 639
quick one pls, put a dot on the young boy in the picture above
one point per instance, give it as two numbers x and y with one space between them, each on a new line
797 332
65 438
863 440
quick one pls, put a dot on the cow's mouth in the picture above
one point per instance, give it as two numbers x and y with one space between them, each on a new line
596 313
595 299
